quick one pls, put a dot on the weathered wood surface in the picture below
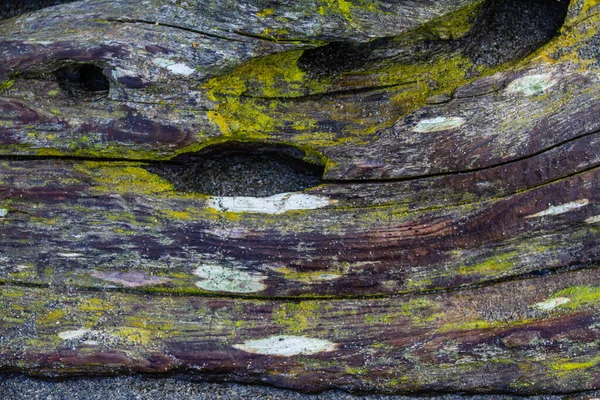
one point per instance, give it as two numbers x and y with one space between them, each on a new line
453 245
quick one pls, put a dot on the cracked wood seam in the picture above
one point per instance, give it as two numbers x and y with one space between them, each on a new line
452 246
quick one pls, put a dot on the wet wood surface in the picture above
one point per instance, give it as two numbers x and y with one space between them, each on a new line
452 245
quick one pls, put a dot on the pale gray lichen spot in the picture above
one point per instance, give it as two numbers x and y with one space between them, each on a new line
180 69
174 67
3 212
531 85
228 279
276 204
561 209
75 334
593 220
120 72
552 303
69 255
287 346
129 279
439 124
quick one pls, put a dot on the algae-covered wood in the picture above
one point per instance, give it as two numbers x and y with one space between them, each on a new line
451 243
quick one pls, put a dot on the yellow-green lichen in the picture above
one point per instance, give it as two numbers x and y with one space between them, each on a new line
135 335
266 12
342 7
579 296
94 304
589 4
297 317
568 366
421 311
11 293
309 277
122 177
466 325
6 85
276 75
495 265
453 25
52 317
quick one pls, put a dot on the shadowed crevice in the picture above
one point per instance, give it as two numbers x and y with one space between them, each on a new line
81 80
503 31
508 30
236 169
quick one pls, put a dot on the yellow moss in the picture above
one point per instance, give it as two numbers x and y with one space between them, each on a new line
135 335
306 277
566 367
481 324
414 284
148 324
174 214
380 319
342 7
180 275
243 119
579 296
265 76
49 152
421 311
93 304
297 317
123 177
6 85
356 371
492 266
266 12
52 317
12 293
454 25
589 4
466 326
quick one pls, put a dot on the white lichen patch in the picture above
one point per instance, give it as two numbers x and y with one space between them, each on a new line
180 69
90 337
287 346
69 255
129 279
174 67
552 303
72 335
3 212
531 85
593 220
228 279
120 72
439 124
276 204
561 209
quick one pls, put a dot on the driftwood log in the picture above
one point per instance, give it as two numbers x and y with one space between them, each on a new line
435 227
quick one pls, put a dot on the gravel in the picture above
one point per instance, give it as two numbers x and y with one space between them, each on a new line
17 387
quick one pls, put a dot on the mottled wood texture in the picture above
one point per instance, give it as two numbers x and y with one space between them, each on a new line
453 245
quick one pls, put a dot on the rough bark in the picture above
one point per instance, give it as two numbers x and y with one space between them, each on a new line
451 246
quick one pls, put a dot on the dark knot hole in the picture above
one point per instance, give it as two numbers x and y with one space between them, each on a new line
82 79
